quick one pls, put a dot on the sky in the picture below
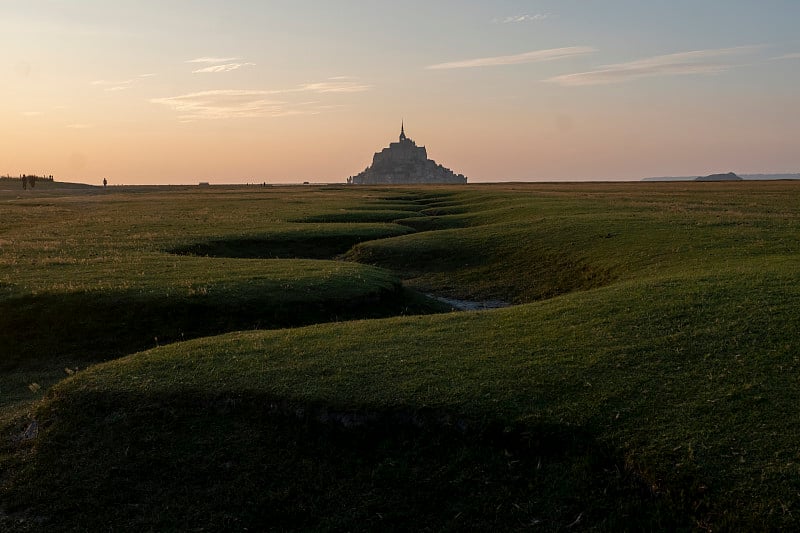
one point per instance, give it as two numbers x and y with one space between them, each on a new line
285 91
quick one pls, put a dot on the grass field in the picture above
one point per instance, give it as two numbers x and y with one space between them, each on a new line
264 358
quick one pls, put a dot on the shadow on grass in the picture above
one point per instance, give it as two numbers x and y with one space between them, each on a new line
92 327
310 248
281 247
187 460
433 223
360 216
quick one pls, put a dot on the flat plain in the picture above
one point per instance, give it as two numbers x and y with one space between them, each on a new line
179 358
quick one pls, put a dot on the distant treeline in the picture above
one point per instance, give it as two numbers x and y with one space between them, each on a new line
28 176
27 180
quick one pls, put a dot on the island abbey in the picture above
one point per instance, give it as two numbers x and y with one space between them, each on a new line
404 162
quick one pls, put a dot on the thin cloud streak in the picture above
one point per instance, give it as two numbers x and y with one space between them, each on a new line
223 103
121 85
115 83
523 18
213 59
680 64
225 67
339 84
535 56
247 103
794 55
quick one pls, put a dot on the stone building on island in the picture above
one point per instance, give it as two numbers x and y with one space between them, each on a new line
404 162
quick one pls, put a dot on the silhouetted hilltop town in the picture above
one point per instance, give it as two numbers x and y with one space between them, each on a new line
404 162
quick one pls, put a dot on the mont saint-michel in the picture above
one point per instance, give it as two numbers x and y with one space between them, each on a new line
404 162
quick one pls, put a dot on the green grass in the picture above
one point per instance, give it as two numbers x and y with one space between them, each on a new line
648 380
87 277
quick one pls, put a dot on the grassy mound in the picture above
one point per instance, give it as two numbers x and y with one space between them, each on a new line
642 374
523 244
193 298
649 382
393 473
472 263
86 278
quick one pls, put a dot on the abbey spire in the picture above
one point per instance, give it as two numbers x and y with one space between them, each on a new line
402 131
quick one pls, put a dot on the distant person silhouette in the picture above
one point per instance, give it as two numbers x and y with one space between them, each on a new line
24 183
105 183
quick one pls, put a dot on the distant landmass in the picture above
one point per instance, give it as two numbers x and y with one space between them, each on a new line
404 162
730 176
771 176
762 177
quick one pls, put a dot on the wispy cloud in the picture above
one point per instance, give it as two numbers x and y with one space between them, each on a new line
32 113
223 103
113 86
794 55
248 103
680 64
114 83
120 85
80 126
535 56
339 84
225 67
522 18
213 59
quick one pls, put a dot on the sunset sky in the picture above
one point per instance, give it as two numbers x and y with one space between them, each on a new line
287 91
